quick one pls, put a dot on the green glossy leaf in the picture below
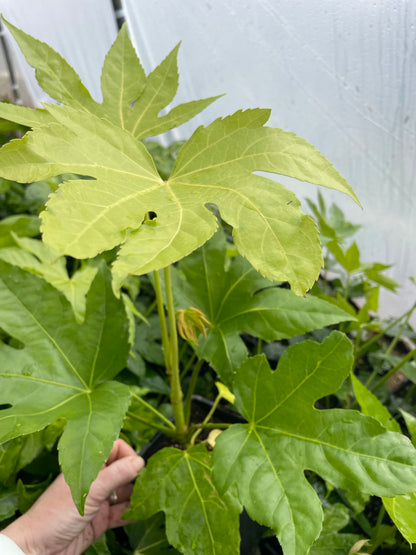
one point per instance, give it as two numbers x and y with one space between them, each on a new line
21 225
8 503
149 537
402 511
99 547
36 257
285 435
215 166
198 519
235 298
371 406
28 493
62 370
401 508
411 424
331 541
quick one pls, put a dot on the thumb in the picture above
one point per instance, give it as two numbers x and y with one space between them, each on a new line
117 474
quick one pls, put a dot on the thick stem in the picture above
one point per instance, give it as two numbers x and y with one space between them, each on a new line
162 318
176 395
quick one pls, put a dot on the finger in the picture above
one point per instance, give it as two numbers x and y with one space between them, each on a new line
116 513
120 449
110 478
122 494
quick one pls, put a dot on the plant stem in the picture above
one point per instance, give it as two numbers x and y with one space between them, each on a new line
393 370
176 395
162 318
380 517
188 364
151 308
191 389
167 431
383 332
206 420
259 346
212 425
182 352
155 411
408 395
401 329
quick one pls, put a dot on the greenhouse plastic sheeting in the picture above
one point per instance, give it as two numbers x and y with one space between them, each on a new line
341 74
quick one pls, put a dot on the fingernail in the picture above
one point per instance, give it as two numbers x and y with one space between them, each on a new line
137 462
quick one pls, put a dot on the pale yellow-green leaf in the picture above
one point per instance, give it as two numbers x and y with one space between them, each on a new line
122 80
53 73
216 169
23 115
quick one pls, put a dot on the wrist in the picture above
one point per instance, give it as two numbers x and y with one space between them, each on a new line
20 532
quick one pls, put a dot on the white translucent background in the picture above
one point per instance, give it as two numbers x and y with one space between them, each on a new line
340 73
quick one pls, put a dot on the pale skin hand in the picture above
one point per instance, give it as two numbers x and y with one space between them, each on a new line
53 525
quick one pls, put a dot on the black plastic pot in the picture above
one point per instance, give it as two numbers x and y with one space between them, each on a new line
250 531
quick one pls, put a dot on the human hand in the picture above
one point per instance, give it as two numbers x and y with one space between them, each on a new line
53 524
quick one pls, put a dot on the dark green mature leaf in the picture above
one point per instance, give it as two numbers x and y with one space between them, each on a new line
198 519
8 502
216 166
62 370
236 298
149 537
34 256
99 547
21 225
285 435
331 541
401 508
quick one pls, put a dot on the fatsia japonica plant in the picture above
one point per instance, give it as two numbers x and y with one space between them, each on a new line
70 315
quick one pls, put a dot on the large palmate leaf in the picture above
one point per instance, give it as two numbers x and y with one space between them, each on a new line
235 298
402 508
285 435
216 166
198 519
63 370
